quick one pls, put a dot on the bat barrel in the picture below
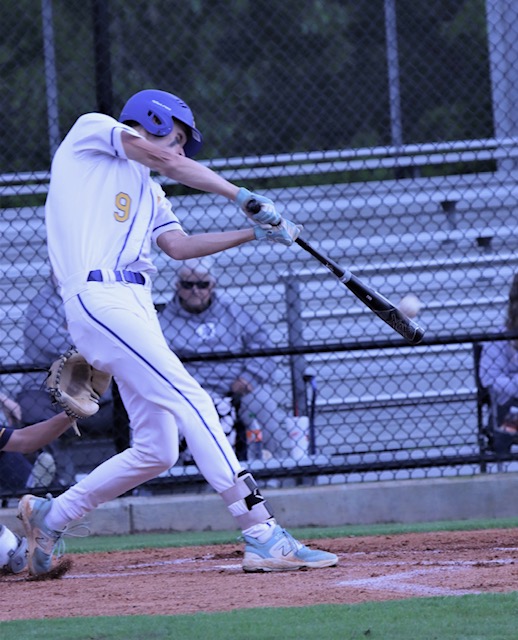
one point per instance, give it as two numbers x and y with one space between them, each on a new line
383 308
386 310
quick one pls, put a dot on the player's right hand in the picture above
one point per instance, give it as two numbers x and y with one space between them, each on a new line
267 214
286 232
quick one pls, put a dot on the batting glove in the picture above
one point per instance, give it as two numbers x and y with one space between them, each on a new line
266 214
286 232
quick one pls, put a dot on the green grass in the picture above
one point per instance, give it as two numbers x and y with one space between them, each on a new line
484 617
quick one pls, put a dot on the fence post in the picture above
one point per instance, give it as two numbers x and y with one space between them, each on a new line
103 64
295 339
50 76
503 60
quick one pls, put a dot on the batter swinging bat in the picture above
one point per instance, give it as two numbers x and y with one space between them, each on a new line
377 303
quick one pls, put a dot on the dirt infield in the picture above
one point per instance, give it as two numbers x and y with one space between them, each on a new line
194 579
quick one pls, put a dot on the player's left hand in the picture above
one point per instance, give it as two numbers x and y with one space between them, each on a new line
286 232
267 214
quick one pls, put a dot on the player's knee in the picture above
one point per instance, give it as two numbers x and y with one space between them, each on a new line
167 459
157 459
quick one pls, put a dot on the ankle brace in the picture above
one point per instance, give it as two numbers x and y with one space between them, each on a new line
245 502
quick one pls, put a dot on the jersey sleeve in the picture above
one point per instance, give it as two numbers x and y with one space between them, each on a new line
166 219
99 133
5 434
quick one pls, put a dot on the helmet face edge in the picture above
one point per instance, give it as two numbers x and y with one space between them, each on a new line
154 110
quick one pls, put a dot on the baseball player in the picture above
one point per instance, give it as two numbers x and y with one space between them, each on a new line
103 211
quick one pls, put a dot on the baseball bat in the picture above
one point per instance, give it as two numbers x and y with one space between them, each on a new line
381 306
377 303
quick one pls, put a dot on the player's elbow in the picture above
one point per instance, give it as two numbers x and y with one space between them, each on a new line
179 253
175 244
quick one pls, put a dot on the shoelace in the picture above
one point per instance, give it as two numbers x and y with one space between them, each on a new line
295 544
72 532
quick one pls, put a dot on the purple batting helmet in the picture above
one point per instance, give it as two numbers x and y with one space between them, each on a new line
155 111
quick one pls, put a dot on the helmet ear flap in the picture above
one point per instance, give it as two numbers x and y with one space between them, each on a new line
156 120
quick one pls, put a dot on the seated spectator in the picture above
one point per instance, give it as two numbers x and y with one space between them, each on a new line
46 338
199 319
499 368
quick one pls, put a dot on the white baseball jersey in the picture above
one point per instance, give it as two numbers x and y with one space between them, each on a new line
95 192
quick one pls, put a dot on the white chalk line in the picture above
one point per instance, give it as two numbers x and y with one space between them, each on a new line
441 563
125 571
396 582
399 582
126 574
176 561
139 569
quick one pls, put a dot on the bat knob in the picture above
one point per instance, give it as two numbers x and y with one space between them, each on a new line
417 335
254 206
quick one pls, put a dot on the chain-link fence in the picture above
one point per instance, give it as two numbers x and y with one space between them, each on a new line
387 128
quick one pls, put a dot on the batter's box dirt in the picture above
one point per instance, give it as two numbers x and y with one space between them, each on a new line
193 579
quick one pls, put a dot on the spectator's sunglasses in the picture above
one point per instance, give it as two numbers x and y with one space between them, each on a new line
199 284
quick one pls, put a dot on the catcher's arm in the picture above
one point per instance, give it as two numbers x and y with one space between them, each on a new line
35 436
75 385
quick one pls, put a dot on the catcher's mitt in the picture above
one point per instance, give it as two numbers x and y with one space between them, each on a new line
76 385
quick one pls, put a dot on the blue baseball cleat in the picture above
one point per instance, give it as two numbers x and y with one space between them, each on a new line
42 541
283 553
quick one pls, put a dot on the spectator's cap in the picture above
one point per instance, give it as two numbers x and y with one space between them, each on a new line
200 267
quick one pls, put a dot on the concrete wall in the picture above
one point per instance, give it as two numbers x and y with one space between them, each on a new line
402 501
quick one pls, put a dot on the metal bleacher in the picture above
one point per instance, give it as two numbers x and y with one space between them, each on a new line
381 404
458 258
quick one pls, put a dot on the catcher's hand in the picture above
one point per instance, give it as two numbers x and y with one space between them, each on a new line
76 385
